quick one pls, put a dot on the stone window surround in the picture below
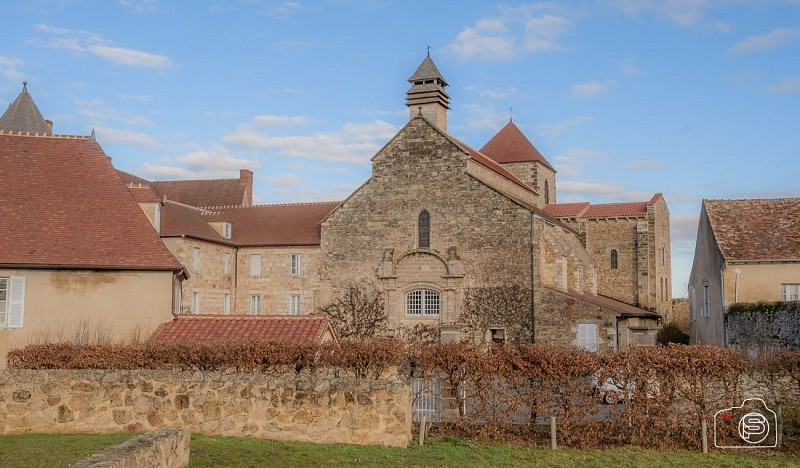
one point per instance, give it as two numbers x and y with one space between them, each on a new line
429 301
424 230
614 259
255 304
597 326
295 304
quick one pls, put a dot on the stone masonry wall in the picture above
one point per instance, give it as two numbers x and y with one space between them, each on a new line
285 407
276 283
165 448
559 315
210 280
604 235
478 237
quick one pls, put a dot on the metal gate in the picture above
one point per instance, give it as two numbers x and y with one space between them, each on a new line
427 394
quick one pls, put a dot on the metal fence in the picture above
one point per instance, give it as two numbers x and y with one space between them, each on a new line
427 395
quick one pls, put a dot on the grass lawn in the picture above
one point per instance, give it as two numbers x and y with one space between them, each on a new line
37 450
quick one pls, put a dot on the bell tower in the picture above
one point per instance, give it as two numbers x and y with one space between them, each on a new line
427 93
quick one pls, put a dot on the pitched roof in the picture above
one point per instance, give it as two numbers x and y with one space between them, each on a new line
603 210
179 220
143 193
510 145
427 70
202 193
23 116
275 225
756 229
622 308
62 204
300 329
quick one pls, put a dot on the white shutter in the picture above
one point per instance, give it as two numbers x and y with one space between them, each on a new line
16 302
587 336
255 265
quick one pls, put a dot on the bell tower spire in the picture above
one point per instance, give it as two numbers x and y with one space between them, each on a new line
427 94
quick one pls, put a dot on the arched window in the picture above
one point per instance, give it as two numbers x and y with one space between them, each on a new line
546 192
423 302
613 259
424 227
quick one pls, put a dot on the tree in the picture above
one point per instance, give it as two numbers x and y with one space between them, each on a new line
506 307
359 312
671 333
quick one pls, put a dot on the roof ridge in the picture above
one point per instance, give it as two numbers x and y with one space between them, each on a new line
47 135
752 199
272 204
184 205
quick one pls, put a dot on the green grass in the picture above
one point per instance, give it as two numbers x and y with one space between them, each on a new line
37 450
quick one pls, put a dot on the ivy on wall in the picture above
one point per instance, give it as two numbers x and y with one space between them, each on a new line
764 324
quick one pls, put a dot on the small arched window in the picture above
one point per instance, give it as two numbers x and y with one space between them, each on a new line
424 227
423 302
613 259
546 193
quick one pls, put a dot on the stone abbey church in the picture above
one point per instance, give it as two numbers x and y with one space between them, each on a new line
460 244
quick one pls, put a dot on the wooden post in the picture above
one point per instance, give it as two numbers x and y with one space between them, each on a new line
422 429
704 434
553 439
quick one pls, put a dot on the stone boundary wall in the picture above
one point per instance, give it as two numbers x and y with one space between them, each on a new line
308 408
167 448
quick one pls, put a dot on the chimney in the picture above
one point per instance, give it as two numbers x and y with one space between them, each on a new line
246 179
49 126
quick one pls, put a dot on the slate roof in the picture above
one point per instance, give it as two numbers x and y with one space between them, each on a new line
622 308
294 224
756 229
511 145
23 116
427 70
603 210
63 205
300 329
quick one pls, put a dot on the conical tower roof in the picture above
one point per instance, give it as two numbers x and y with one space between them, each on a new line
510 145
427 70
22 115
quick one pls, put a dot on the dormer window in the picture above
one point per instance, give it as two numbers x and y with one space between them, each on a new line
227 230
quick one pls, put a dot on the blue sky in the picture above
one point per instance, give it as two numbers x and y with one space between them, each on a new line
693 98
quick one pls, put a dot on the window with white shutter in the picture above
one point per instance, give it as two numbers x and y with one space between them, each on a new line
587 336
295 264
195 259
294 304
226 304
255 265
226 266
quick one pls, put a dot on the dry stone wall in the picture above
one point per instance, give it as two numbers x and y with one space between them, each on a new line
320 409
165 448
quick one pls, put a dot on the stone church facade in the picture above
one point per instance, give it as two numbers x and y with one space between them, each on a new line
463 244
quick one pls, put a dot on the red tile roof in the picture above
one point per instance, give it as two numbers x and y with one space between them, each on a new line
756 229
622 308
62 204
604 210
510 145
205 193
179 220
275 225
566 210
143 194
301 329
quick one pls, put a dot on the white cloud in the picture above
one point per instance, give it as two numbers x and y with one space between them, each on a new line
573 191
682 12
642 165
480 117
628 68
130 57
136 97
350 142
99 113
292 187
590 89
140 6
683 226
788 86
9 67
217 157
568 163
279 120
770 40
515 31
116 135
556 129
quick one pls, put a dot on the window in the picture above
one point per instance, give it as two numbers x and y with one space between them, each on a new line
226 230
423 302
294 304
255 304
706 311
295 264
226 266
226 304
790 292
546 193
613 259
663 255
424 227
3 301
692 304
587 336
195 258
498 335
12 301
195 303
255 265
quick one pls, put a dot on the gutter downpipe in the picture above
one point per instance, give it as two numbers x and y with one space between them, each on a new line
724 312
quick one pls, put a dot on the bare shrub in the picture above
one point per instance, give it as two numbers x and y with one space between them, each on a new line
358 312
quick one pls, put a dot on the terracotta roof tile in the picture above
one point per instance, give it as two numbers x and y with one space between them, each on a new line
510 145
756 229
179 220
622 308
275 225
201 193
493 165
301 329
62 204
143 194
603 210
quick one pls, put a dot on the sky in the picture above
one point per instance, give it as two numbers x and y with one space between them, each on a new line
694 99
